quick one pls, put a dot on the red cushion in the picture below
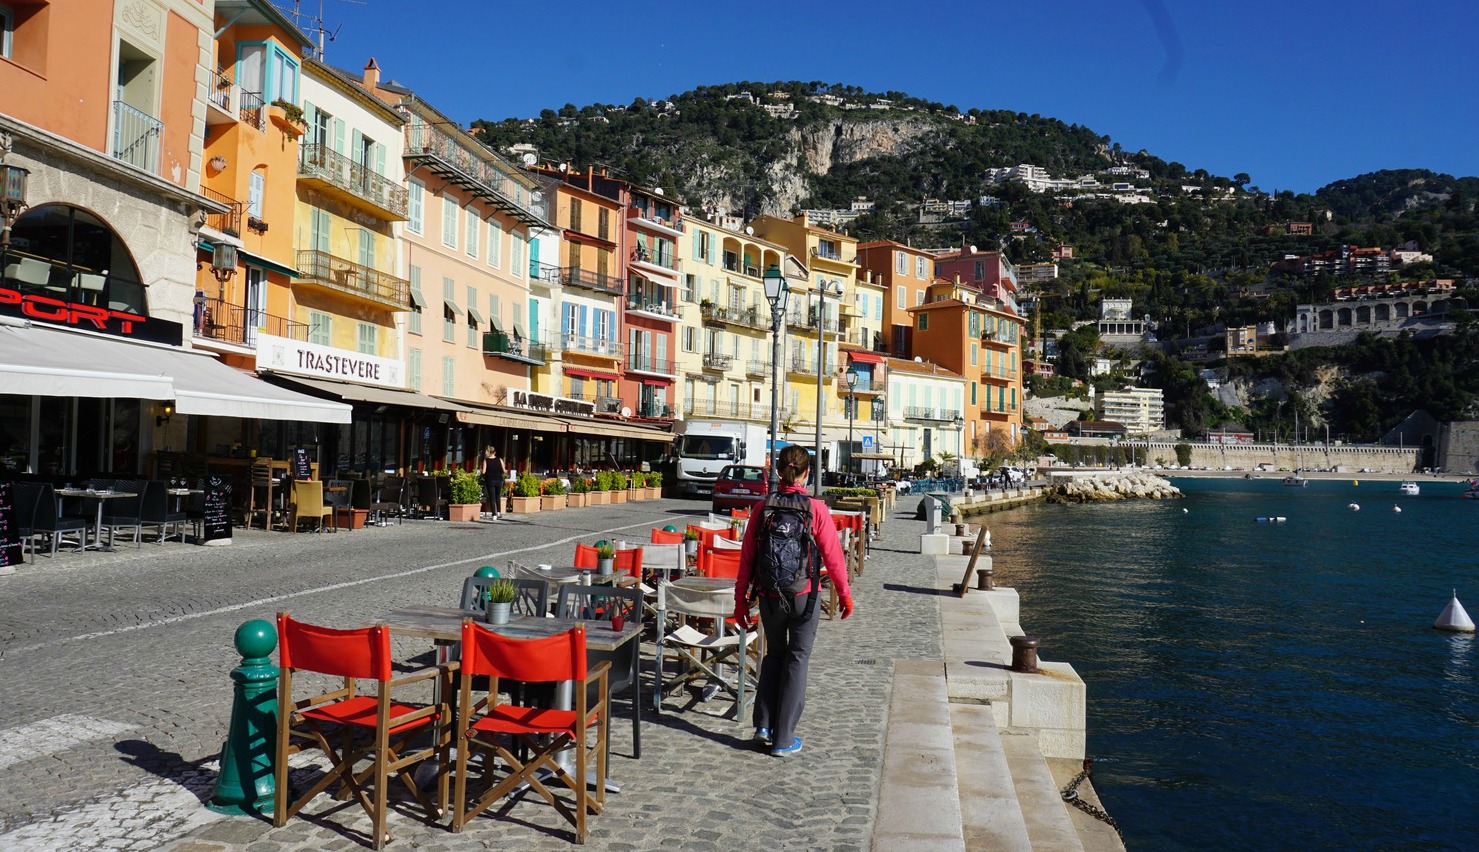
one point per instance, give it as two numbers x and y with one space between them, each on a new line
513 719
361 711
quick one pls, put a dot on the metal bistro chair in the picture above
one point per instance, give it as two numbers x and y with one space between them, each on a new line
337 499
50 522
25 495
710 655
155 511
389 499
600 603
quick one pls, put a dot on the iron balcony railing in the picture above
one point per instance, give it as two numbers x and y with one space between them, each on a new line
597 282
513 347
655 411
808 320
998 372
223 222
729 409
136 136
220 90
713 313
545 273
220 320
478 169
590 345
757 368
345 276
644 363
807 367
324 163
864 386
664 259
717 361
667 310
942 415
674 221
252 109
826 253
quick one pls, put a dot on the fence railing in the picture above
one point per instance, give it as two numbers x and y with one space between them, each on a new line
228 221
252 109
663 259
648 364
484 167
717 361
136 136
220 90
590 345
349 277
320 161
757 368
220 320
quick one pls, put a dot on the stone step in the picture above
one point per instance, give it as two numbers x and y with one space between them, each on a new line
918 802
1049 826
991 816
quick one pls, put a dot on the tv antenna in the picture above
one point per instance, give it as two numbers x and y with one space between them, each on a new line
316 27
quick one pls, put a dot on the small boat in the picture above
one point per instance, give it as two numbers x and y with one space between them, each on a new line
1473 491
1409 488
1294 480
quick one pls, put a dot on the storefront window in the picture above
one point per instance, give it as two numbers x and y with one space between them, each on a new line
68 253
15 434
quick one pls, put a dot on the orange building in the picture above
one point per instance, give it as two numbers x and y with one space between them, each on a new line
904 273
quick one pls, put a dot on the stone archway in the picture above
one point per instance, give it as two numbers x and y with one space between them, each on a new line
1383 312
71 253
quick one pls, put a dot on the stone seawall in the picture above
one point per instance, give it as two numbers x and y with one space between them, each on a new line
1348 459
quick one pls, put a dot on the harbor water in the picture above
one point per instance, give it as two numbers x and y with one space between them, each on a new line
1266 685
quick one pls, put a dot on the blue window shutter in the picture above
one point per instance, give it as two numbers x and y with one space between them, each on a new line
584 315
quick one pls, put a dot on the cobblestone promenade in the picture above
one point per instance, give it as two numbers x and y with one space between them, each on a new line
113 669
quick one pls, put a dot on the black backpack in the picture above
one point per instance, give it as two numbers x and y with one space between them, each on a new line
787 559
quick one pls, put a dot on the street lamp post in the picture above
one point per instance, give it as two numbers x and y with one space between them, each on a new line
852 403
776 292
823 288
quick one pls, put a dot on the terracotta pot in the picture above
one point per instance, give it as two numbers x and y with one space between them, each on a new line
526 505
552 502
618 496
576 501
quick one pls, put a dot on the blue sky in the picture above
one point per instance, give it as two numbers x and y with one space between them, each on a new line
1297 93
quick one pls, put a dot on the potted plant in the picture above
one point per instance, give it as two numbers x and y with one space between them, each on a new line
636 486
580 489
605 559
654 486
690 542
526 494
600 494
551 495
288 117
466 499
501 594
617 486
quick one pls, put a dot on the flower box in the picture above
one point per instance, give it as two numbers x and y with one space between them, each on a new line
576 500
598 498
464 512
552 502
654 492
525 505
617 496
351 519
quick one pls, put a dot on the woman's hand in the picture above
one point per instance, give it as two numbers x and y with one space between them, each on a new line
742 615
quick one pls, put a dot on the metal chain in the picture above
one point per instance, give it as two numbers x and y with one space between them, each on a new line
1070 795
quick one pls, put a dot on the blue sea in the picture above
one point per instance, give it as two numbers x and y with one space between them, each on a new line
1266 685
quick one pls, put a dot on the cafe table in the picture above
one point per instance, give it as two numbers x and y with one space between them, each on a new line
100 496
445 624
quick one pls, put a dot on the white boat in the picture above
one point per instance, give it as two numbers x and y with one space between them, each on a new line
1409 488
1294 480
1473 492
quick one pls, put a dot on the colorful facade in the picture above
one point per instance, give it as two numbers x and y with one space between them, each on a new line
902 274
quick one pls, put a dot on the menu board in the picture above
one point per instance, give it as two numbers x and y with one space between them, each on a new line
302 466
11 553
217 523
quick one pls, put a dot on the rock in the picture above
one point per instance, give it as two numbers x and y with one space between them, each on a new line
1110 487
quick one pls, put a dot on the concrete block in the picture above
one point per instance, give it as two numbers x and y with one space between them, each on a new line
1043 810
918 807
988 798
937 544
970 680
1005 603
1058 743
1054 698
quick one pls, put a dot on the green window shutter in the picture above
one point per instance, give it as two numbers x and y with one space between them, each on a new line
339 135
380 160
356 151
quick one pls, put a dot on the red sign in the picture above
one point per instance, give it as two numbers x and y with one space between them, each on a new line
34 306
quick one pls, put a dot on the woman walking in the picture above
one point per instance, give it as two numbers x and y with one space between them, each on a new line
787 540
493 474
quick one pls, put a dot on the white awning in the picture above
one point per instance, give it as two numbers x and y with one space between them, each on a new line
54 362
374 394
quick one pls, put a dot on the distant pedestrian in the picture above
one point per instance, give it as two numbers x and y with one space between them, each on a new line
493 474
787 541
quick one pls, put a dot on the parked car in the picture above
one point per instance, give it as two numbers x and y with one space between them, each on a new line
739 486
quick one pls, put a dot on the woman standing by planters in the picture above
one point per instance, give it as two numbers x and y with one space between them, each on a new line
493 475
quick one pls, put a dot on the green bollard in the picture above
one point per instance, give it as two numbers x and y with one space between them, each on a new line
485 571
246 784
669 528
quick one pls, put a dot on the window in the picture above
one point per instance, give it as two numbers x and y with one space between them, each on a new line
449 221
919 267
924 322
413 368
365 339
575 216
472 318
918 297
973 393
415 205
604 224
7 26
901 263
975 349
449 310
367 248
255 190
473 226
413 324
449 376
516 256
690 339
495 243
320 331
495 311
282 77
901 297
980 270
318 230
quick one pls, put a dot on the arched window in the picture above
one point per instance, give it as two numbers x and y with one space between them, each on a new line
68 253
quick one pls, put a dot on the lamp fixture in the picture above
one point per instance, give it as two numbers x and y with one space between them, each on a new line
12 198
223 262
777 291
169 409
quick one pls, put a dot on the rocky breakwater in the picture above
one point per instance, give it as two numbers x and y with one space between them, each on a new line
1104 488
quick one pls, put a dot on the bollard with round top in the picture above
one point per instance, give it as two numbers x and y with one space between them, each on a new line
1024 654
669 528
485 571
245 785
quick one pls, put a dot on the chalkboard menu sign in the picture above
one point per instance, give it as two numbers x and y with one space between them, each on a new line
11 553
217 523
302 467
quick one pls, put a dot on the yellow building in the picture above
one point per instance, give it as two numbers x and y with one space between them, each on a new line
725 357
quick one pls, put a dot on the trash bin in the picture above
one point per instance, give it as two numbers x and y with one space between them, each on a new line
933 509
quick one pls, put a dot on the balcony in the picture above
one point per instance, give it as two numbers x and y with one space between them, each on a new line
935 415
717 361
512 347
654 410
731 410
808 321
342 276
802 366
713 314
228 222
638 362
219 97
475 169
653 308
334 174
661 263
758 369
228 323
253 110
671 224
599 347
999 373
596 282
136 137
864 387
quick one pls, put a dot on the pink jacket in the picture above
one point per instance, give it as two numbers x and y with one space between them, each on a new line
822 529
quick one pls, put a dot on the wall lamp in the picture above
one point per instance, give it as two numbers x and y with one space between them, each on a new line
169 410
12 198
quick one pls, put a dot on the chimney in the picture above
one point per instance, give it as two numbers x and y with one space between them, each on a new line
372 75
